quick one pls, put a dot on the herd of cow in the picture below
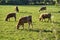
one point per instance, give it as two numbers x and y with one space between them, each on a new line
28 19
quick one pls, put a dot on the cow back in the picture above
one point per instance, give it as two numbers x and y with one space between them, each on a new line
12 15
46 15
26 19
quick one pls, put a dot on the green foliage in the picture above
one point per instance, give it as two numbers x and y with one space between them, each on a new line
58 2
26 2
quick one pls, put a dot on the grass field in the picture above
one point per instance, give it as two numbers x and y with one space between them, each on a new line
8 29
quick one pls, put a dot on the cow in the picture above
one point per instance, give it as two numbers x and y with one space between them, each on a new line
10 15
43 16
26 19
17 10
42 8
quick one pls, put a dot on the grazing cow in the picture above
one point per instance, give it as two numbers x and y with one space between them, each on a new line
44 16
42 8
10 15
27 19
17 10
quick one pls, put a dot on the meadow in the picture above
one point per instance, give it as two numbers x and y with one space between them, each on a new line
40 31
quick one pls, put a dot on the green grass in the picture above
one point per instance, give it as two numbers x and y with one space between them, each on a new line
8 29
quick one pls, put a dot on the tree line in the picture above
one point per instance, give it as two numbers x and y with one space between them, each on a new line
28 2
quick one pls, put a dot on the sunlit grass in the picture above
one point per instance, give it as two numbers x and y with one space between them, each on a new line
8 29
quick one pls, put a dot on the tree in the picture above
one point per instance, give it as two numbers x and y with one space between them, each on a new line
2 1
58 1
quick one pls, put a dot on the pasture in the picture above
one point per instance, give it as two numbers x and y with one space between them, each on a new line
40 30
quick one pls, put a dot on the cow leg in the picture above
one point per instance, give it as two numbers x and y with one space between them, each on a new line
49 19
15 18
23 26
29 25
8 19
42 19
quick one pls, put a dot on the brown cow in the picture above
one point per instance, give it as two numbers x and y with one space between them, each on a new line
10 15
44 16
42 8
27 19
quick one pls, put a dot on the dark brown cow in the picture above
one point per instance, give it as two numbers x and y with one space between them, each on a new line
42 8
27 19
17 10
44 16
10 15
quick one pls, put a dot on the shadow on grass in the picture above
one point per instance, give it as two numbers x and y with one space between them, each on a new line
26 12
12 21
56 12
45 21
47 31
56 22
36 30
31 30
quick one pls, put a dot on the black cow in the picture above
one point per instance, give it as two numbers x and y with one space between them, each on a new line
10 15
17 9
42 8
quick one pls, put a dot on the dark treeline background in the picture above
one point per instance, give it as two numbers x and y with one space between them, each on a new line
29 2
